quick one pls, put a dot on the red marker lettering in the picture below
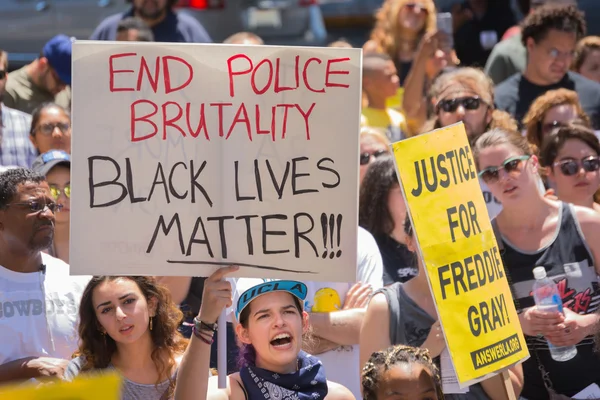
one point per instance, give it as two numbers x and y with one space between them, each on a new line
112 71
305 75
329 72
144 118
270 72
168 87
152 80
231 73
171 121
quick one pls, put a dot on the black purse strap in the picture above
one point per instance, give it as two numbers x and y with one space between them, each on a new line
543 372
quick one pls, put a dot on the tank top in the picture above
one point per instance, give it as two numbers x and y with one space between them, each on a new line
410 325
570 263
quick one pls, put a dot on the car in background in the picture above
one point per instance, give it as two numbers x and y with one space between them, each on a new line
28 24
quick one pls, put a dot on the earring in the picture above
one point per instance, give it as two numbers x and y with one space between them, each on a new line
150 323
103 333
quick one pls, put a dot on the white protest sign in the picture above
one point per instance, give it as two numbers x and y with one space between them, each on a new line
187 157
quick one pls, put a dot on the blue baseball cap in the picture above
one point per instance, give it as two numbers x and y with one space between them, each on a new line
58 52
50 159
295 288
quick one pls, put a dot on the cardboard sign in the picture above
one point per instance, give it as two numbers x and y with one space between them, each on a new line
457 244
100 387
187 157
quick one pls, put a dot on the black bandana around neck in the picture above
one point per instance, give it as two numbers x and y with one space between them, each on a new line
308 383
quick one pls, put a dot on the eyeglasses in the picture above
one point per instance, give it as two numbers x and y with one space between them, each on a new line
572 167
55 192
513 164
451 105
36 206
555 53
416 7
3 74
551 126
47 129
365 158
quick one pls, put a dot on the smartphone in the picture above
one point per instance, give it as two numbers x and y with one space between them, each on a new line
444 24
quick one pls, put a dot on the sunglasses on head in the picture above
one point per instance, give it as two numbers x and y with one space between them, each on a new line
55 192
513 164
451 105
551 126
572 167
365 158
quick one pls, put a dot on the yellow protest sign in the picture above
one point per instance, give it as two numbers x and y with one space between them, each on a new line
457 243
98 387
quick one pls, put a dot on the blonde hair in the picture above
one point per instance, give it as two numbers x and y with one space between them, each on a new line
376 133
386 33
538 109
472 78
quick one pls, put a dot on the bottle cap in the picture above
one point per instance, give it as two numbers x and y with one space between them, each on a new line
539 272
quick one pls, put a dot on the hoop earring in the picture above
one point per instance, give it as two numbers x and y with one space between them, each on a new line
150 323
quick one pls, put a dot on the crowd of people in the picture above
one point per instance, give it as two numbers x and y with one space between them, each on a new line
528 95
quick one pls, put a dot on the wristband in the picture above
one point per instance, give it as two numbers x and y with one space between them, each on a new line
203 326
199 336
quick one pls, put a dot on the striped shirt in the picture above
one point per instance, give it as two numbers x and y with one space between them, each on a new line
16 148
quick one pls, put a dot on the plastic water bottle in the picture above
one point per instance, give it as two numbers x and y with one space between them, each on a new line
548 299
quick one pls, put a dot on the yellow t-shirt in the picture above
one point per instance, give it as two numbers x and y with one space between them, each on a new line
395 102
389 119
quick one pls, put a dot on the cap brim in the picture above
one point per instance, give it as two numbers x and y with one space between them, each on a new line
295 288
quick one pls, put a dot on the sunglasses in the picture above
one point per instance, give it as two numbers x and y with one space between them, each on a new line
55 192
451 105
416 7
3 74
513 164
572 167
551 126
36 206
47 129
365 158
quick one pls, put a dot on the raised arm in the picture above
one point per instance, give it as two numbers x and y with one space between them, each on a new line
192 378
374 333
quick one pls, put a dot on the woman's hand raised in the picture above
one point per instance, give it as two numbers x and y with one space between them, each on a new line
217 295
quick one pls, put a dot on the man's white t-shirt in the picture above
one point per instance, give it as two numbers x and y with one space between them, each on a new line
39 311
342 365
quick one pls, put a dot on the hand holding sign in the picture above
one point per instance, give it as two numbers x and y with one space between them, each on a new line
46 367
435 342
457 245
217 295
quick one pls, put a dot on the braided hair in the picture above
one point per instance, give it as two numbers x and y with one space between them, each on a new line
382 361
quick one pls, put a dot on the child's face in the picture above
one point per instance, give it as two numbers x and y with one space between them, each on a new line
407 382
385 81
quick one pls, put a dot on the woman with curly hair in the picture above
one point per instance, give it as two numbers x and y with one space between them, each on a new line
587 58
551 110
382 211
406 31
400 26
129 324
409 372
